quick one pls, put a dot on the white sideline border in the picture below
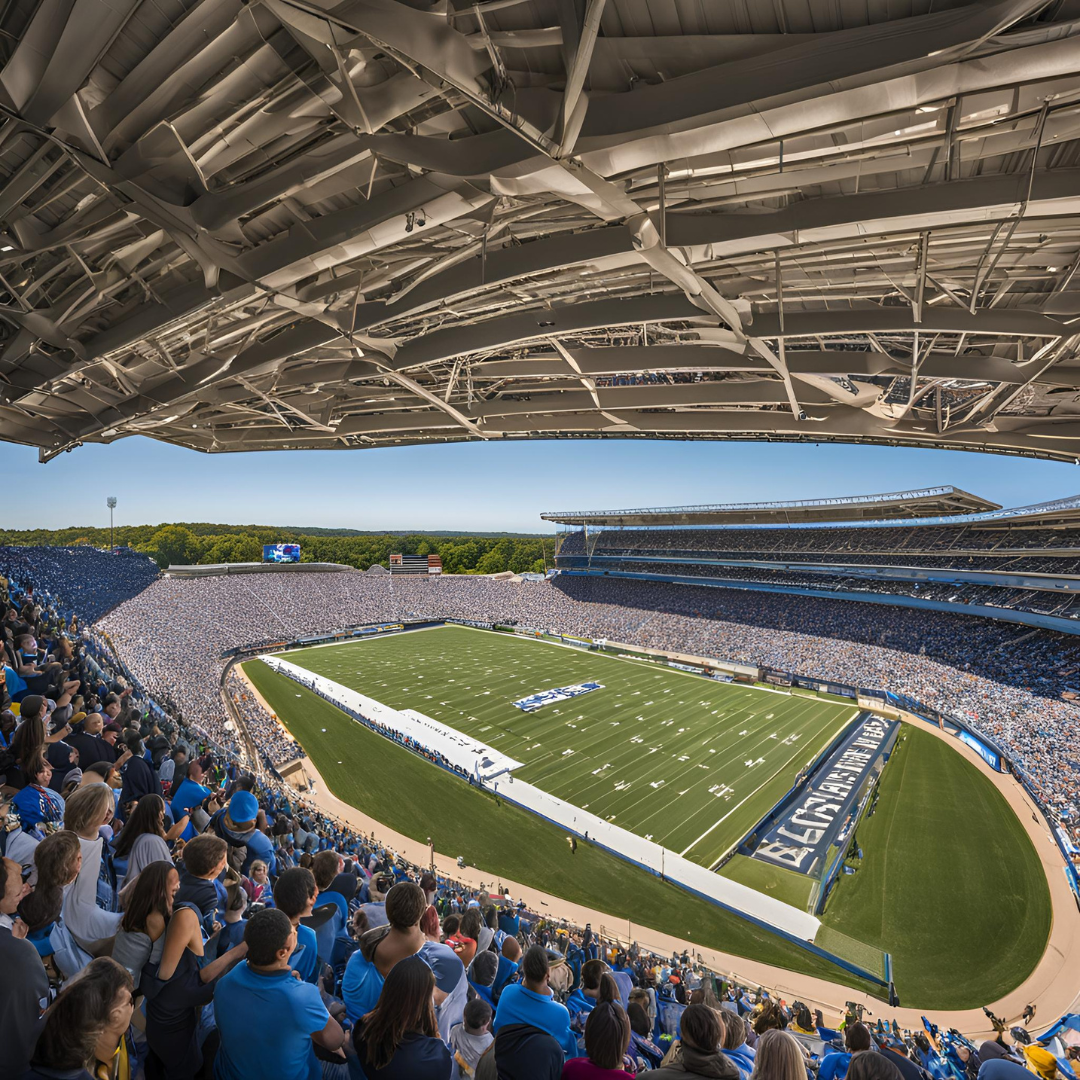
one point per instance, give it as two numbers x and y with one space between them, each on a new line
462 751
475 757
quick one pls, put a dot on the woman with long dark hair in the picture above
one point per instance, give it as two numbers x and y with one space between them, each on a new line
141 937
143 839
607 1038
86 1029
27 741
57 860
176 992
399 1038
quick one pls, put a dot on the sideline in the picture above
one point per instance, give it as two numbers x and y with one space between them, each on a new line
1051 986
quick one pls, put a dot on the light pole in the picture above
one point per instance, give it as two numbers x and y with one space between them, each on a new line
110 502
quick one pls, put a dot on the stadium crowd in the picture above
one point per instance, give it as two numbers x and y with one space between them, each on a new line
165 914
1006 681
1049 602
274 742
89 582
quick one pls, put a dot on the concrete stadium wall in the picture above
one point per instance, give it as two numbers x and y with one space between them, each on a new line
221 569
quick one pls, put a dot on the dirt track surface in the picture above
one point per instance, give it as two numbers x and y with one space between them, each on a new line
1053 987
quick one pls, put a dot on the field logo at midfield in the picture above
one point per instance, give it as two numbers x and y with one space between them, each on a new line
562 693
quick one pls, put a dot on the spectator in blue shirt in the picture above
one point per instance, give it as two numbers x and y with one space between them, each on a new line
482 975
237 825
399 1038
1002 1069
834 1066
232 932
267 1019
508 965
531 1002
735 1045
16 685
326 866
383 947
295 894
189 793
583 1000
510 921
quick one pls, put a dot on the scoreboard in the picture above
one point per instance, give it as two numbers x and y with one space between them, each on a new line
415 564
281 552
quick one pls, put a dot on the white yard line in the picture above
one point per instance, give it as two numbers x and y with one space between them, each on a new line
560 766
750 796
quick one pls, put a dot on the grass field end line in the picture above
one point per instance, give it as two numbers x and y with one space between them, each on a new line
735 896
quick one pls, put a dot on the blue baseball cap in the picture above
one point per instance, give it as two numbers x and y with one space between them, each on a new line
243 806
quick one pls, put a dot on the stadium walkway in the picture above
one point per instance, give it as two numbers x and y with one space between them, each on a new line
1052 987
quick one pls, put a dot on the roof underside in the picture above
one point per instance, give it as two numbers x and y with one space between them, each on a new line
300 223
925 502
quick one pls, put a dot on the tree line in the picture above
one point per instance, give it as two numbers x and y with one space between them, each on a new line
188 543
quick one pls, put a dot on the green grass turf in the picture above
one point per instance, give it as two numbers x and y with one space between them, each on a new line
950 883
418 799
690 763
774 881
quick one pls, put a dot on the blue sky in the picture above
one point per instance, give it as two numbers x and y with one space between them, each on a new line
480 486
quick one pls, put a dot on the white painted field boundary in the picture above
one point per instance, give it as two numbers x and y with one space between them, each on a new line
462 751
475 757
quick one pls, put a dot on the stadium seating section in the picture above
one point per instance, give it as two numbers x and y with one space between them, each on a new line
851 554
170 640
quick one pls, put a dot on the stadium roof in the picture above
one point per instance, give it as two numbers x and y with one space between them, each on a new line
309 223
925 502
1056 514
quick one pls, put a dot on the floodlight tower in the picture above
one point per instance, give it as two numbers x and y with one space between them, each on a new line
110 502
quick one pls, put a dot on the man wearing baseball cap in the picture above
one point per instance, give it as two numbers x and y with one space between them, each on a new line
235 823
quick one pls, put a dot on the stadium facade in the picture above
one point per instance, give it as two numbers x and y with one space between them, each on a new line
1017 565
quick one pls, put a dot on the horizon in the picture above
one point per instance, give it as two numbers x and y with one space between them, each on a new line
484 488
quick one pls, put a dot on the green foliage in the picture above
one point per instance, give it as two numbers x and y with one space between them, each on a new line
199 542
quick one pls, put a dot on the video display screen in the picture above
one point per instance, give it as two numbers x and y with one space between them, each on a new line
281 552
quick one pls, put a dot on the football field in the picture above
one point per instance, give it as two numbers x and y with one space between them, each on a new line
687 762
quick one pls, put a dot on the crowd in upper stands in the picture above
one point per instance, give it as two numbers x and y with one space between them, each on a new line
959 548
1006 681
90 583
1048 602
